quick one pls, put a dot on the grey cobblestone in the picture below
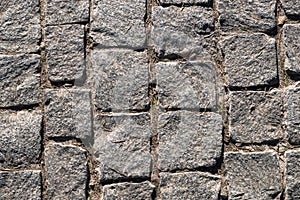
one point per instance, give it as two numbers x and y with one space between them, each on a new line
291 8
292 171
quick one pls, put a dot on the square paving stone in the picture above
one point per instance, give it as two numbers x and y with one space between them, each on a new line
256 64
122 146
253 175
292 176
189 185
186 85
121 80
185 2
20 138
291 8
65 57
188 140
256 117
19 80
25 184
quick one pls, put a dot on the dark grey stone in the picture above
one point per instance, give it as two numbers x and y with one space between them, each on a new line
291 8
184 2
292 174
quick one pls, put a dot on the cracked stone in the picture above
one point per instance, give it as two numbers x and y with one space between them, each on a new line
292 171
291 8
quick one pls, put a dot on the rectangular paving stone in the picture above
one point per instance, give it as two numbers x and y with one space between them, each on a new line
65 52
291 8
124 27
256 64
255 116
253 175
186 85
189 185
25 184
120 80
122 146
20 80
20 138
292 174
183 2
188 140
19 26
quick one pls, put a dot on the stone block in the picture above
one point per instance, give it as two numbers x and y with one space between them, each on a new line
292 174
291 8
183 2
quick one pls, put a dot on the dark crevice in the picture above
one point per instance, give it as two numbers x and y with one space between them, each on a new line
266 88
119 47
183 5
65 139
125 179
110 110
273 142
293 75
188 109
21 107
69 23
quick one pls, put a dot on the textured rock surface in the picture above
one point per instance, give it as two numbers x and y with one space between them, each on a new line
256 64
255 117
65 47
189 185
122 28
182 2
20 139
66 171
247 15
19 26
188 140
128 191
122 146
253 175
292 171
19 80
25 184
291 8
121 80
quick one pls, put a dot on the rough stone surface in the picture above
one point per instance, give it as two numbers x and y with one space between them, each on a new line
64 11
19 80
122 146
188 140
121 80
19 26
256 64
183 32
25 184
124 27
186 85
20 139
247 15
291 8
66 171
292 174
255 117
128 191
69 114
65 48
183 2
253 175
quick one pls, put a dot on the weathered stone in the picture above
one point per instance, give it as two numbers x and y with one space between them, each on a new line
66 171
256 64
291 8
189 185
122 146
186 85
19 26
247 15
255 117
20 139
124 27
183 2
128 191
19 80
121 80
64 11
69 114
292 175
25 184
183 32
188 140
65 47
253 175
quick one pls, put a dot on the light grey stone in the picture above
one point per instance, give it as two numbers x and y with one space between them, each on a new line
253 175
292 176
183 2
122 146
291 8
21 185
66 171
128 191
186 85
65 52
189 185
256 63
249 15
20 138
19 80
255 116
188 140
124 27
19 26
121 80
